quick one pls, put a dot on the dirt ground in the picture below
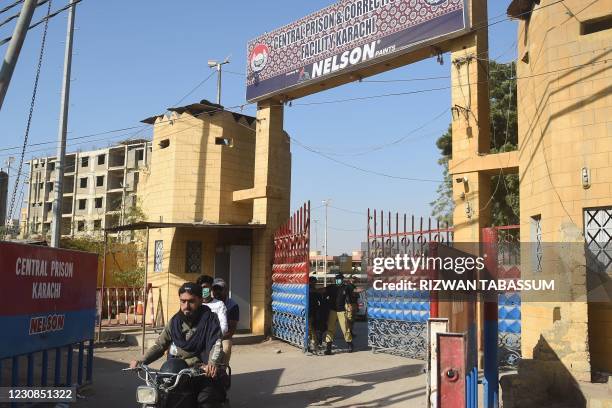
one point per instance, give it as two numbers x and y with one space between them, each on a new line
274 374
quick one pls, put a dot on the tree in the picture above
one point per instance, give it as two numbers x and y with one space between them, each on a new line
504 137
442 207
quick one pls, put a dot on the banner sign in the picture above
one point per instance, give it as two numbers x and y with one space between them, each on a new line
47 297
346 36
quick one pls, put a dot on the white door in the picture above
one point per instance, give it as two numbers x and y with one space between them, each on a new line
240 282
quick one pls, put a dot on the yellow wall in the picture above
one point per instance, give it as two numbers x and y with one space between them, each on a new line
173 273
117 260
196 180
565 123
193 179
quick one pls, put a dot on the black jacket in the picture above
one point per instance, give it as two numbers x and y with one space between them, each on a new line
338 296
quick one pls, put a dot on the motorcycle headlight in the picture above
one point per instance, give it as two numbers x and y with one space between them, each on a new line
146 395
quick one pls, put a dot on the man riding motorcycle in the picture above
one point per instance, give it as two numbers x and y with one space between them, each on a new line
190 335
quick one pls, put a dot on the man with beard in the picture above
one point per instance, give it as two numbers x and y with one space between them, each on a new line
191 334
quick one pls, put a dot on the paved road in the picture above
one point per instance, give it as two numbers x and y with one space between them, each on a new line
264 377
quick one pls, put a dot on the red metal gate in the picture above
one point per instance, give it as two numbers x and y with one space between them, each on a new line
290 279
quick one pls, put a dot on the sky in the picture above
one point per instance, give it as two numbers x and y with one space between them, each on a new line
133 59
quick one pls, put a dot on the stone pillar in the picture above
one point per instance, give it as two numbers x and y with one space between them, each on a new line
471 140
270 205
471 125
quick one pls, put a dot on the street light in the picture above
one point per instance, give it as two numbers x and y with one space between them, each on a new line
218 65
326 204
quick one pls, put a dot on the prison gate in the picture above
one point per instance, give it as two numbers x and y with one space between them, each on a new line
506 244
290 279
397 319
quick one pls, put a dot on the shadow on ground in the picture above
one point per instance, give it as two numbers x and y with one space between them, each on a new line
269 394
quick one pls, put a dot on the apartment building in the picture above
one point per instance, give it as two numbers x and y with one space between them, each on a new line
100 187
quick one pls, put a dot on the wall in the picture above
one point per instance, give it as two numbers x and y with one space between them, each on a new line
565 123
192 180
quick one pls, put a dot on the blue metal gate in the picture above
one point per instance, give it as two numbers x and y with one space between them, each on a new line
290 279
509 303
397 320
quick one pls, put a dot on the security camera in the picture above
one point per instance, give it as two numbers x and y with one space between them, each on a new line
460 180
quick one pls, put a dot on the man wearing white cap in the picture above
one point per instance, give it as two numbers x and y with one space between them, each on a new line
233 315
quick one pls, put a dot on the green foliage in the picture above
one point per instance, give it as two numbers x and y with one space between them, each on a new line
130 278
504 137
84 243
134 213
504 125
442 207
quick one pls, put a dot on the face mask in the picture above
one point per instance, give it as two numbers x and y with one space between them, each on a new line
205 293
338 281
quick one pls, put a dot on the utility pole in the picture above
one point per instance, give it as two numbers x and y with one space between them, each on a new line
326 204
56 226
14 48
316 223
218 65
5 217
9 162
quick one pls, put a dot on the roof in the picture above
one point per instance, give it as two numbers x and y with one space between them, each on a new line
197 109
197 225
521 9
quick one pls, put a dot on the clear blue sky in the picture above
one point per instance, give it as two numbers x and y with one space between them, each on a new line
135 58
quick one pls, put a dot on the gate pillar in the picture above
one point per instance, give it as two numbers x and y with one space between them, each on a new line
270 196
470 127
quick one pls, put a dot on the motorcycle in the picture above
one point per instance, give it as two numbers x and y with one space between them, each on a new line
174 385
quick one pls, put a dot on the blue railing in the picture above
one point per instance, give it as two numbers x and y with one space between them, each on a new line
62 367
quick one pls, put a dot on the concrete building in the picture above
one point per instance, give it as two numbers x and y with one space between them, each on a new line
346 264
212 206
564 163
565 170
100 186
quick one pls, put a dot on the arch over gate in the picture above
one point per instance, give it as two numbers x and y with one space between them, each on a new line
290 279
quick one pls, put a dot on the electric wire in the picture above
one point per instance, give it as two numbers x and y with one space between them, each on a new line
31 112
10 6
14 16
44 20
249 104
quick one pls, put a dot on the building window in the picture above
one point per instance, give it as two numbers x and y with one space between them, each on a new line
159 256
598 237
80 225
224 141
98 202
101 159
100 181
139 155
51 166
84 161
82 204
193 257
595 25
83 182
535 233
97 225
164 143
